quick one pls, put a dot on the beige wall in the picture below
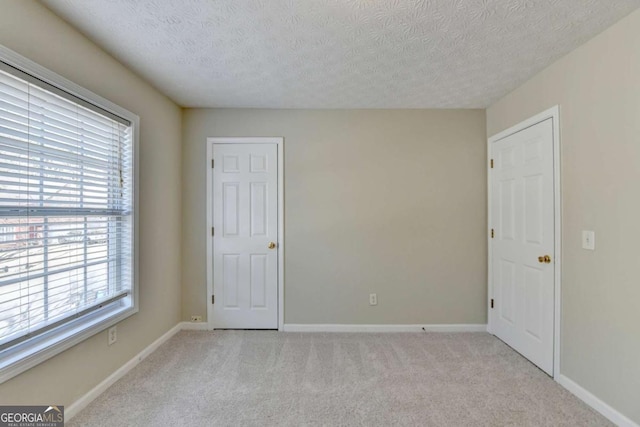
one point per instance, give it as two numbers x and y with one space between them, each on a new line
598 89
32 31
384 201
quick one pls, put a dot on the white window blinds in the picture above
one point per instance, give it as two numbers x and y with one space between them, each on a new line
65 208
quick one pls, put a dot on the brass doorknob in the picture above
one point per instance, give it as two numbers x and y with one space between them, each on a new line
544 259
272 245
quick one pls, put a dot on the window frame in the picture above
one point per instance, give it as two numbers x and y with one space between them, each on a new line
34 351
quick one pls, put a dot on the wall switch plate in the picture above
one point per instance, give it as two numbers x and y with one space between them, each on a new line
588 240
373 299
196 318
113 334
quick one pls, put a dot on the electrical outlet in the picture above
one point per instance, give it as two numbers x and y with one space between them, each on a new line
113 334
373 299
196 318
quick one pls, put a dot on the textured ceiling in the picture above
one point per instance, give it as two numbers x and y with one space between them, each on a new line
339 53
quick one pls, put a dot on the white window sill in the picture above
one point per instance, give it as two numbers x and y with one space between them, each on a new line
23 356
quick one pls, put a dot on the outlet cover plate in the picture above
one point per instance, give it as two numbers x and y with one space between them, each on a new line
373 299
113 335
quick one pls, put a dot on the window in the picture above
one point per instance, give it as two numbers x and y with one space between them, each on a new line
66 215
7 233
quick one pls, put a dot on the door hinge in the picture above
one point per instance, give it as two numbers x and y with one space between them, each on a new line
213 299
491 302
213 232
491 163
212 162
492 233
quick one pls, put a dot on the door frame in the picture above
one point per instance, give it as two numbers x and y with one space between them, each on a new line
279 141
554 114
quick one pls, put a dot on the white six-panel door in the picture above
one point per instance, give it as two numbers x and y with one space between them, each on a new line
245 245
522 248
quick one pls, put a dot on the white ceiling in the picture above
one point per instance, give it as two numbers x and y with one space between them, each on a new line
339 53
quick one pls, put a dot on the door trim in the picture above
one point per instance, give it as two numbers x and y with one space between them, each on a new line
279 141
554 114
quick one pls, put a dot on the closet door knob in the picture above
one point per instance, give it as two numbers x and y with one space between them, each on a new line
544 259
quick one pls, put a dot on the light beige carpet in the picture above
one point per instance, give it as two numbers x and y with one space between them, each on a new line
265 378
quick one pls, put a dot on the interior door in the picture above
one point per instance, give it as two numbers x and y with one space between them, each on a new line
245 247
522 247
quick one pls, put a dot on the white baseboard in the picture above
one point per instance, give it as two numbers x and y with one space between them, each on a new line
195 326
316 327
77 406
612 414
